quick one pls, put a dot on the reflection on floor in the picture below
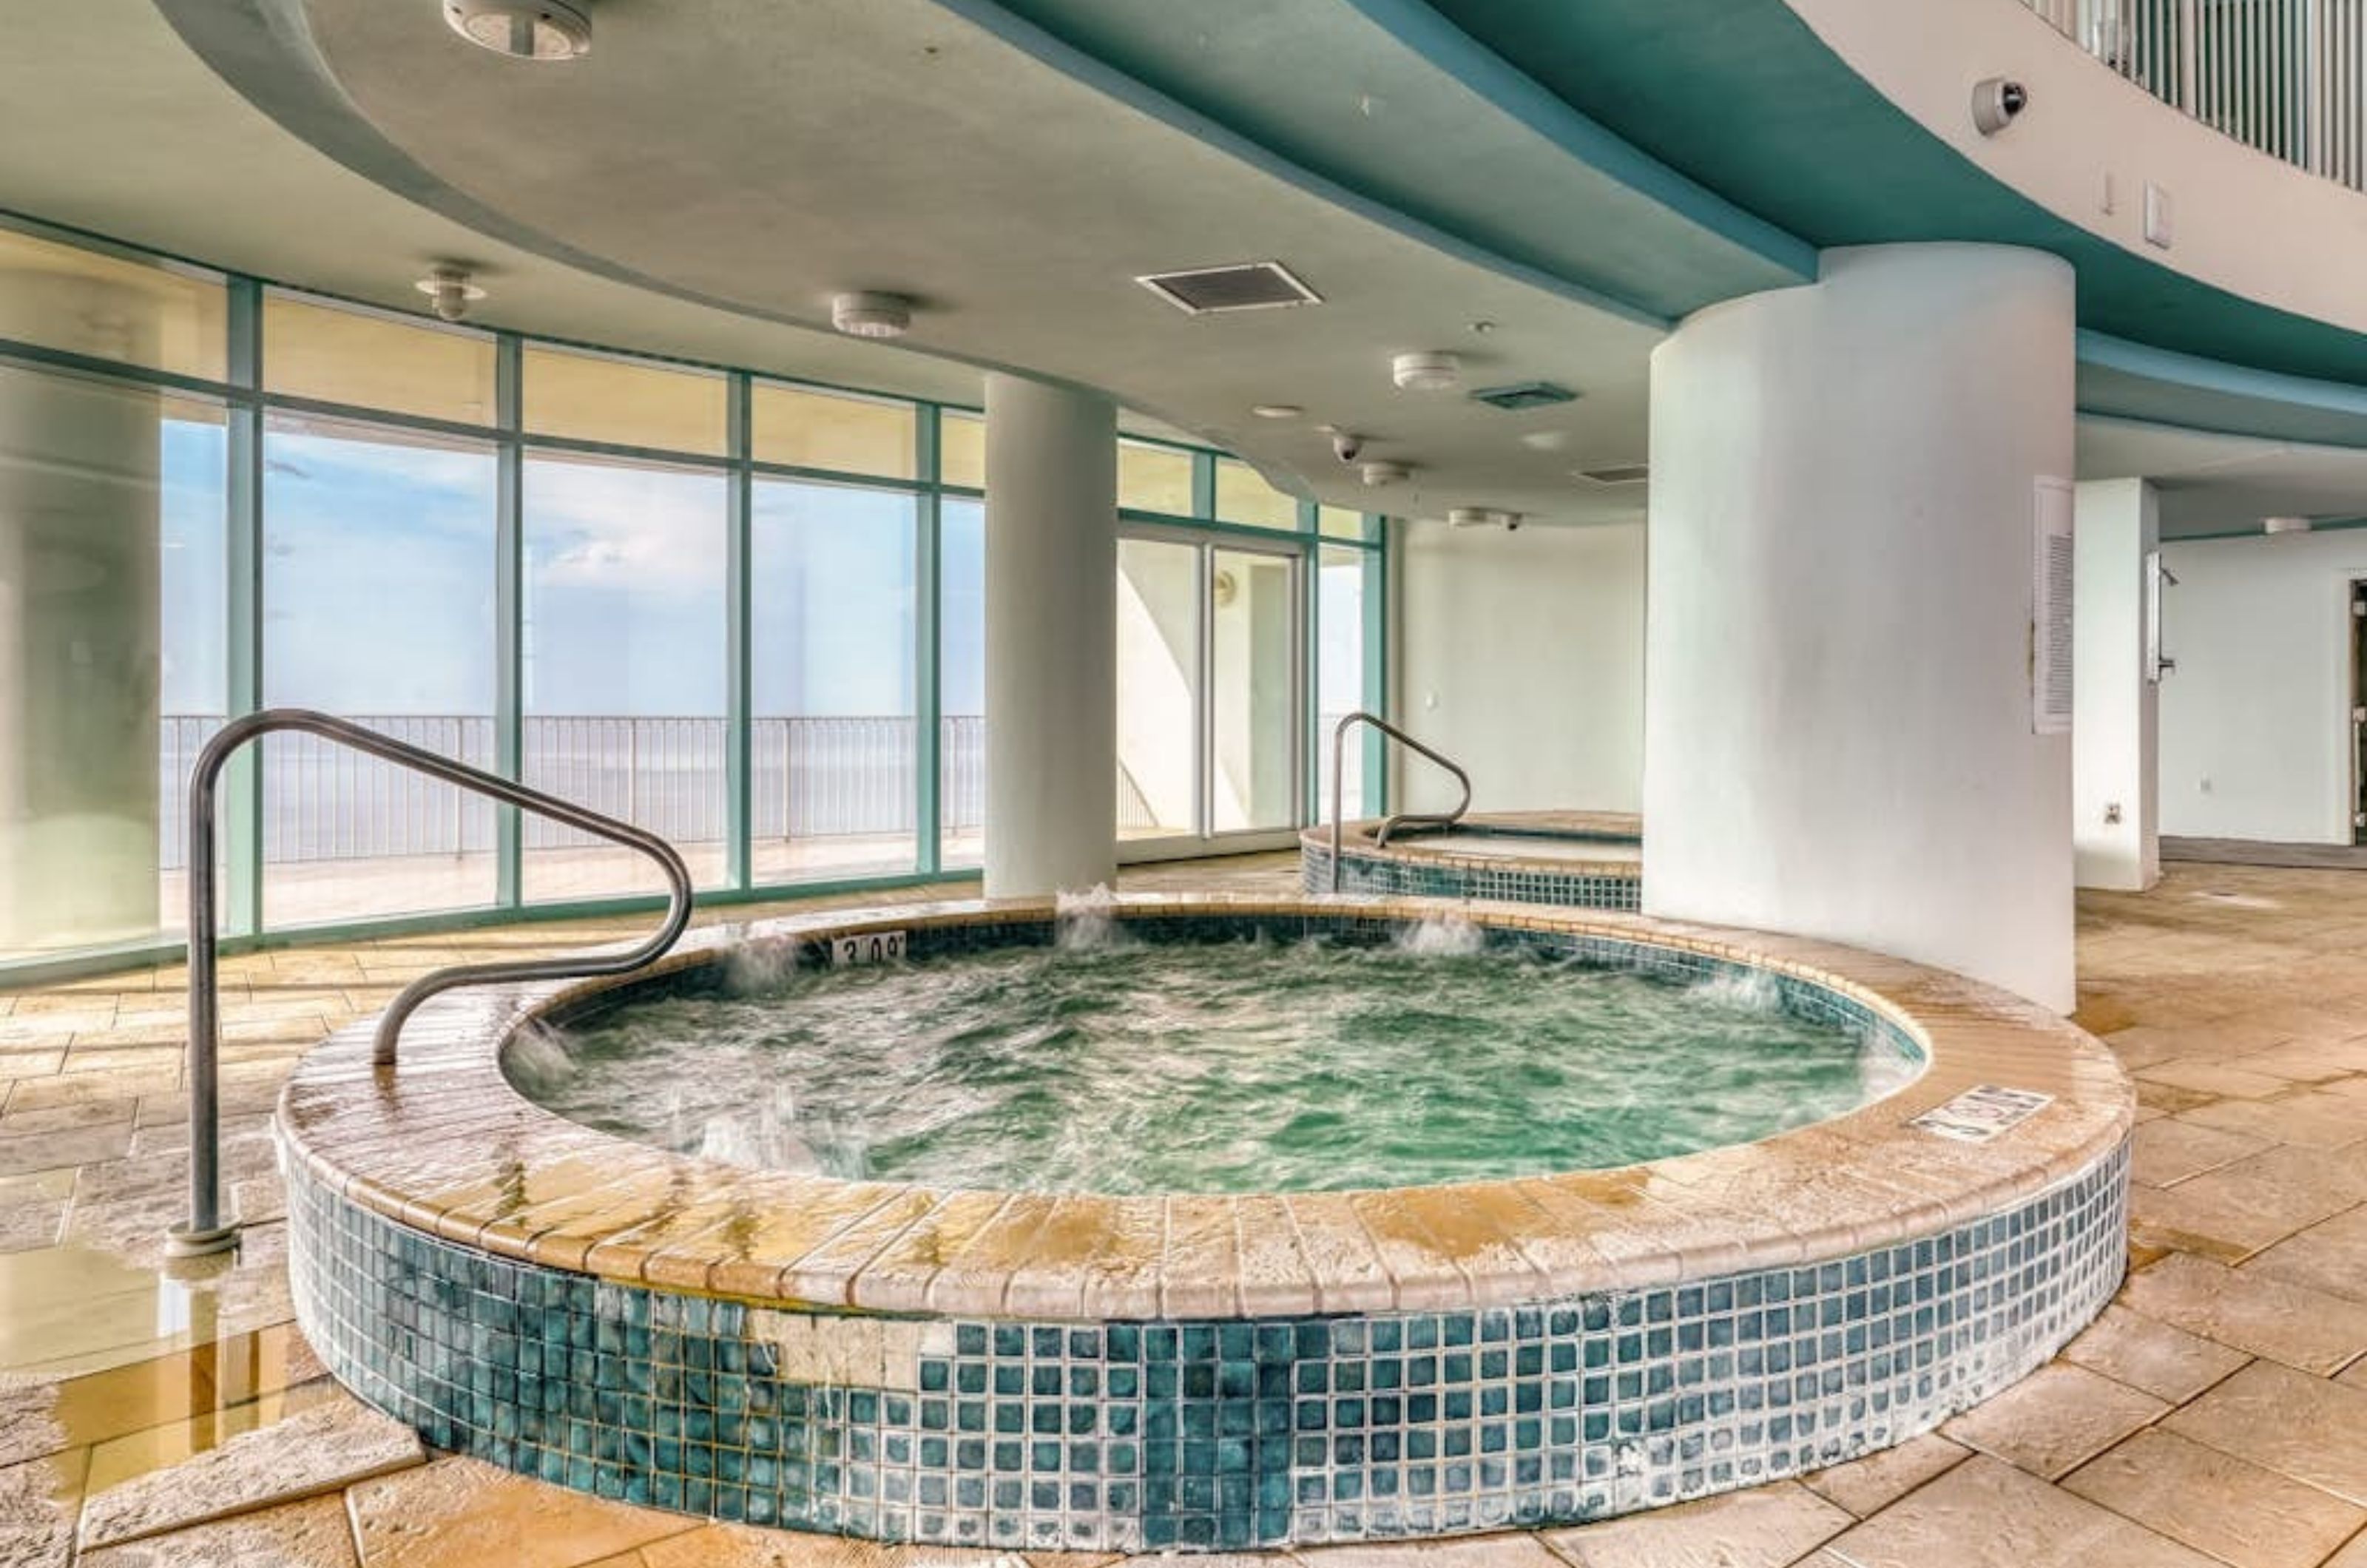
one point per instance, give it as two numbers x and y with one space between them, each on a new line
2218 1414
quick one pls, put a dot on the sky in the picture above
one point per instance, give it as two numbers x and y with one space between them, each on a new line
378 581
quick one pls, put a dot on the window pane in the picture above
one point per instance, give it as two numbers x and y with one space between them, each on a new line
961 682
1154 479
833 647
626 646
961 450
623 402
1339 675
1243 497
85 302
821 430
1339 522
377 597
1158 688
346 356
110 544
1251 646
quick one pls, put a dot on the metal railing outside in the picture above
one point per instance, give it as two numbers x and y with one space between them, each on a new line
206 1231
2288 77
1403 818
811 778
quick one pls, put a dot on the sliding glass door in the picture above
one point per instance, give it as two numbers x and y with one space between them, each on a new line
1210 688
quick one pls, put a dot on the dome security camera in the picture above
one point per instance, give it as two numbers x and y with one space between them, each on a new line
1996 103
1347 447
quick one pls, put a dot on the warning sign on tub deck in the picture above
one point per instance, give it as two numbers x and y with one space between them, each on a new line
1979 1114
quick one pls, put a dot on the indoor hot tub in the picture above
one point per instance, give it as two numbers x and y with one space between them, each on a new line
1177 1223
1576 859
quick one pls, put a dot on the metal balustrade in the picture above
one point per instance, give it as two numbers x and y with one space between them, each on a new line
811 778
2288 77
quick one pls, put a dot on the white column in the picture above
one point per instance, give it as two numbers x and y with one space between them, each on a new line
1051 638
1839 715
78 632
2115 789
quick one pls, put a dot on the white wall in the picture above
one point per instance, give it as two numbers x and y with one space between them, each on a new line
1838 736
2256 720
2241 220
2116 785
1521 655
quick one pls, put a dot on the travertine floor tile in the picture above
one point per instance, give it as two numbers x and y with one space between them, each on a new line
2055 1419
310 1534
2292 1323
1986 1513
2216 1502
329 1446
2310 1120
2172 1149
2214 1078
1475 1552
457 1510
1768 1527
2256 1201
2299 1425
38 1500
2329 1256
1868 1486
2164 1361
2351 1556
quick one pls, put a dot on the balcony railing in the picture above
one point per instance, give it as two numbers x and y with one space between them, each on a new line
2288 77
811 778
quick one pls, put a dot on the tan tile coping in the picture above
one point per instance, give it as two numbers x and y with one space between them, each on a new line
443 1143
1362 839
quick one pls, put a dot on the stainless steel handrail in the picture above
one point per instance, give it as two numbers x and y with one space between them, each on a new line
1403 818
206 1231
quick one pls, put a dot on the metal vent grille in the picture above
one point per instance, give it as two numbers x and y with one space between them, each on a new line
1617 474
1249 286
1527 395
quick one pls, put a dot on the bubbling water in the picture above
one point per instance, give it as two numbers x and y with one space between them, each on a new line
1113 1064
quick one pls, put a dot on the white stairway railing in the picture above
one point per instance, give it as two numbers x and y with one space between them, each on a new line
2288 77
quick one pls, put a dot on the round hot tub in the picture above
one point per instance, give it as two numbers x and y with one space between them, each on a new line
1219 1223
1576 859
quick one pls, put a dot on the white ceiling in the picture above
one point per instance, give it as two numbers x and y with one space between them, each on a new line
2216 484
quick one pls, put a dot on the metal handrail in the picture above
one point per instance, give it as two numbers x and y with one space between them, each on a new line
1403 818
206 1233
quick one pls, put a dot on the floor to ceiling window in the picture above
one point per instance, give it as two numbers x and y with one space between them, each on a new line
745 613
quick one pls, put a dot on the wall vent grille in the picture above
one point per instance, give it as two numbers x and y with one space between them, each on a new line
1527 395
1617 474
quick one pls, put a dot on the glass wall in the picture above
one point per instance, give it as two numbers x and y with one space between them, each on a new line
747 614
624 667
378 570
833 746
961 681
1341 602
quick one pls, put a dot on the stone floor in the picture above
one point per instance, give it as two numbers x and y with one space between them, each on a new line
2216 1414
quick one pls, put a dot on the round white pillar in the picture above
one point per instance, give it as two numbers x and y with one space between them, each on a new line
1051 638
1839 726
79 571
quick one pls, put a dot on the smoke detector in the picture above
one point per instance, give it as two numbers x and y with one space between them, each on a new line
1380 474
1427 372
522 29
450 292
871 315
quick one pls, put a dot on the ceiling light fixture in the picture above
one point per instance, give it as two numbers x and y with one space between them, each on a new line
1427 372
2285 524
449 291
1482 517
1277 410
1380 474
522 29
871 315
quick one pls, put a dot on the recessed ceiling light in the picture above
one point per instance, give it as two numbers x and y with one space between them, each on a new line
1545 440
871 315
1277 410
2285 524
450 292
524 30
1427 372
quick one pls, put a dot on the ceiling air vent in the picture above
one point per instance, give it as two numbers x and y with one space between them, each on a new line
1251 285
1618 474
1527 395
